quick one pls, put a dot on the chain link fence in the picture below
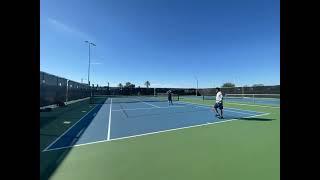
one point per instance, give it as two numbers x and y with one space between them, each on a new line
54 89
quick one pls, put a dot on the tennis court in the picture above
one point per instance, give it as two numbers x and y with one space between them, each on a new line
145 138
121 118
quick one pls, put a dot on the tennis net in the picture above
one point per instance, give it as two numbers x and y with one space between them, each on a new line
270 99
106 99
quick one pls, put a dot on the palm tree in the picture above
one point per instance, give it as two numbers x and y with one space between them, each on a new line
128 84
147 83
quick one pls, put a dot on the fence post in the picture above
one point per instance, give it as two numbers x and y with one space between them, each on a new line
67 90
57 86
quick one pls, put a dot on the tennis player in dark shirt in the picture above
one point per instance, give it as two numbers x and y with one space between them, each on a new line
170 97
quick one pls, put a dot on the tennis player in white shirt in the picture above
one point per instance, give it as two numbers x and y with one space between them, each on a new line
218 104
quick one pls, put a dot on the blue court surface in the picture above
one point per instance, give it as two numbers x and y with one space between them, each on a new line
114 121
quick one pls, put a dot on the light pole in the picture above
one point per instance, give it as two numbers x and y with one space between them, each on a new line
197 85
89 43
108 89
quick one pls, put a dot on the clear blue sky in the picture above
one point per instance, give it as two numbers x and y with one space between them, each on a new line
167 42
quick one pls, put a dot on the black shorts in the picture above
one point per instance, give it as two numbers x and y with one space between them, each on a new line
218 105
169 99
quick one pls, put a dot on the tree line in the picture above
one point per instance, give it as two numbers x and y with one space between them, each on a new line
131 86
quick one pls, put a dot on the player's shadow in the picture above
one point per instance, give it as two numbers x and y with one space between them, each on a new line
256 119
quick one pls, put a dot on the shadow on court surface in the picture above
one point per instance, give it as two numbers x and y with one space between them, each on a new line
50 161
51 127
49 117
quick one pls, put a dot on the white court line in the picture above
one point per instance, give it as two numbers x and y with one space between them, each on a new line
46 149
148 103
123 111
109 124
157 132
146 108
79 133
